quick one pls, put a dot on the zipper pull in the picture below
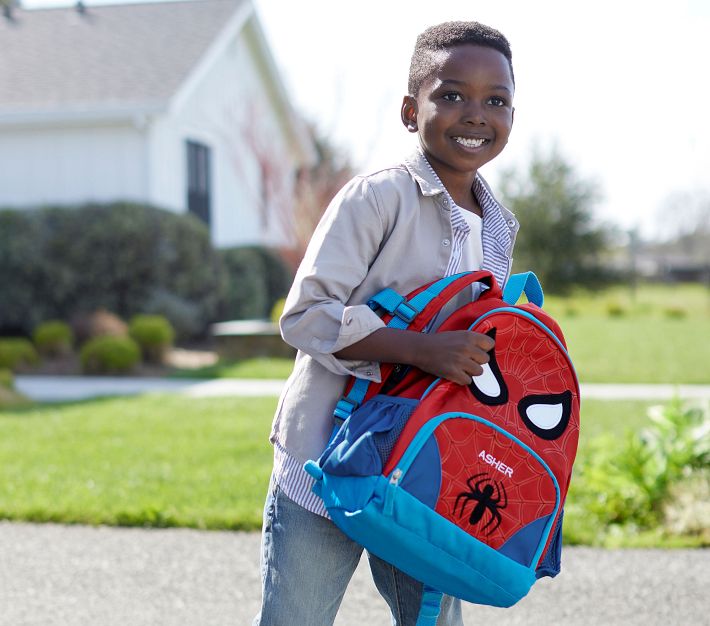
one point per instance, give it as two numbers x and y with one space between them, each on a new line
389 494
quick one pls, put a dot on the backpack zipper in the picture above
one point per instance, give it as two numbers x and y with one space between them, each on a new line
391 488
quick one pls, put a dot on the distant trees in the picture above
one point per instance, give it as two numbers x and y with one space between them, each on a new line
559 239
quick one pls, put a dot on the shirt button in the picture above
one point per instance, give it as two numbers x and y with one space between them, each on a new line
446 242
368 373
445 202
511 223
348 321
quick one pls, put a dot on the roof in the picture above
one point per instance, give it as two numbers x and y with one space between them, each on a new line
124 57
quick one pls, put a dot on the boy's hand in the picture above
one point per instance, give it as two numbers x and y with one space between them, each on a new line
454 355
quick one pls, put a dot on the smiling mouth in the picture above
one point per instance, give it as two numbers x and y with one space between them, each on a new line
470 143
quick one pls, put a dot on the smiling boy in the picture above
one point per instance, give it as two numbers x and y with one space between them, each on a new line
400 227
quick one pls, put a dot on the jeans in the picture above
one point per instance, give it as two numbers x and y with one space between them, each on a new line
307 563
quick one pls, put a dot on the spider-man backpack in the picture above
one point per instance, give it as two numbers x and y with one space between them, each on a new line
460 486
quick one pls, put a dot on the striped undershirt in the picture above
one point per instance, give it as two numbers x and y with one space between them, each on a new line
495 238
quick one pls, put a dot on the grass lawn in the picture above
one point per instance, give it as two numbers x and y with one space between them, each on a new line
164 460
147 461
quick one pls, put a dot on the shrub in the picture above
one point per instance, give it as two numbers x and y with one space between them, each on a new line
614 309
7 380
110 355
277 310
100 323
53 338
630 484
57 263
154 334
17 353
256 278
675 312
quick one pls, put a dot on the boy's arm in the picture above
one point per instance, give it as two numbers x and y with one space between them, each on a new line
454 355
316 318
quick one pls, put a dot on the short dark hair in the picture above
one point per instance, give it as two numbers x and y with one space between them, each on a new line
449 35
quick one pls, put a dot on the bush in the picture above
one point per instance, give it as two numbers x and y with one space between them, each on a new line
57 263
632 484
277 310
7 380
614 309
53 338
100 323
256 278
17 353
110 355
154 334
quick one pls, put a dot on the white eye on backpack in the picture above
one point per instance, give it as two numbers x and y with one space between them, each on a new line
486 382
546 415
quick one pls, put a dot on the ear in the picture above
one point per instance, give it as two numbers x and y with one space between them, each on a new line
512 117
409 113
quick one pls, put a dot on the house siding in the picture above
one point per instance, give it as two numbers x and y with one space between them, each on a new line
72 165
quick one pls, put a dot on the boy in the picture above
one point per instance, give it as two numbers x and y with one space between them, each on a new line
400 227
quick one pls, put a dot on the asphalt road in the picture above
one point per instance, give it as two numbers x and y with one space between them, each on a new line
53 575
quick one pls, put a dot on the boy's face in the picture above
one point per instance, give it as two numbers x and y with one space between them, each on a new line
463 111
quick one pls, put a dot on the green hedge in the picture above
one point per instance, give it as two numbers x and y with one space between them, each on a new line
256 278
58 263
154 334
110 355
16 353
53 338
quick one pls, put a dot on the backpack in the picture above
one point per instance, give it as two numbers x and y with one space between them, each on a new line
460 486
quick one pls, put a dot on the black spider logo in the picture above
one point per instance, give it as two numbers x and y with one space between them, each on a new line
489 495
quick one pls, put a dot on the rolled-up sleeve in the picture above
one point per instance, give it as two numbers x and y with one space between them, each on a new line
319 317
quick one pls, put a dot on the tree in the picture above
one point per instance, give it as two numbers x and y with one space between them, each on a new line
558 239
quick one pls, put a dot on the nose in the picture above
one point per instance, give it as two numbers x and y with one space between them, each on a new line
474 114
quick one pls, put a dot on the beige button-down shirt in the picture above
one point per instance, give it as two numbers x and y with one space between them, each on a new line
390 229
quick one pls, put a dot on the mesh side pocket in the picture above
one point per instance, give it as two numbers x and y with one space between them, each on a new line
551 562
385 441
366 438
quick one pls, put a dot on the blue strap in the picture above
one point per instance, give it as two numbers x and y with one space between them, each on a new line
431 606
393 303
526 283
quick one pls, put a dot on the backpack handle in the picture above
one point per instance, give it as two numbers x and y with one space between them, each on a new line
525 283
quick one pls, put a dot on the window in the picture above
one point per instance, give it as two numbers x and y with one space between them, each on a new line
198 180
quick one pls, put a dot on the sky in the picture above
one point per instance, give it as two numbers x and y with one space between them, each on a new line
620 87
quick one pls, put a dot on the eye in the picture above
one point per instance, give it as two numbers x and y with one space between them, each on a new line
497 101
489 387
453 96
546 415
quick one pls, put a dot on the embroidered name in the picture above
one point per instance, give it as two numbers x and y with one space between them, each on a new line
493 462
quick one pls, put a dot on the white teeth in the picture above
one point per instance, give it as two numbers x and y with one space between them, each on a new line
470 143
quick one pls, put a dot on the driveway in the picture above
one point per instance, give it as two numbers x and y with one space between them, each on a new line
52 575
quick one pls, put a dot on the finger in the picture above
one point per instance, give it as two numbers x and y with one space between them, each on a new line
479 357
486 343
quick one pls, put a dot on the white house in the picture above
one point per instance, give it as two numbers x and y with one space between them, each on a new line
177 104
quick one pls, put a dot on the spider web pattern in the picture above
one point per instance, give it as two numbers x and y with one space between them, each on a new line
532 364
530 492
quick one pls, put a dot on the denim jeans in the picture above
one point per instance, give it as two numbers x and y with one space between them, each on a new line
307 563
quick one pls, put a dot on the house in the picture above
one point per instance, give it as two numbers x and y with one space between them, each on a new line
175 104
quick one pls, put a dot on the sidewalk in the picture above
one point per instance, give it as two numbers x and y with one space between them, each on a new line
52 575
66 388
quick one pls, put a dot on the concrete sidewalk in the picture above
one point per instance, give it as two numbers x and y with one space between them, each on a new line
52 575
67 388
